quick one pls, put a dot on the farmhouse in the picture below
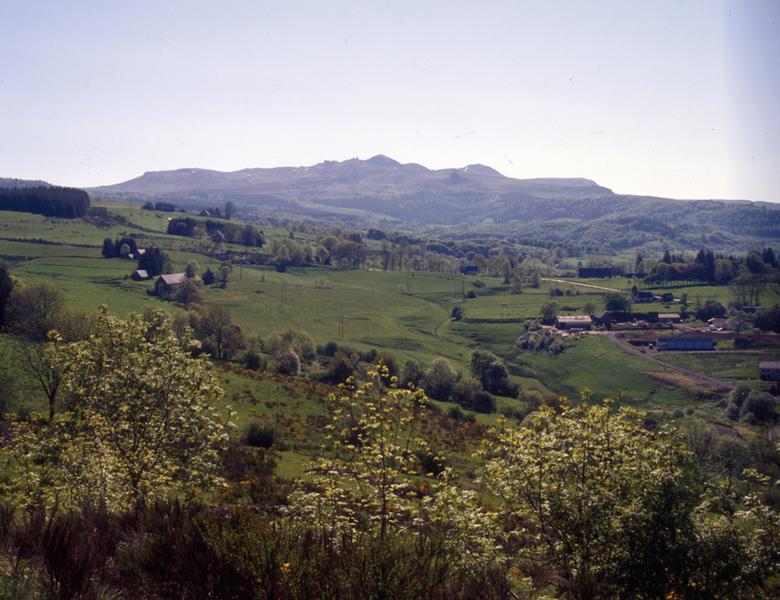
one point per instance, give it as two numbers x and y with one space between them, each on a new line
573 322
769 370
595 272
644 297
669 317
140 275
685 342
166 284
606 318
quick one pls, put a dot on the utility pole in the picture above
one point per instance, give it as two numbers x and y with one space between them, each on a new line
341 327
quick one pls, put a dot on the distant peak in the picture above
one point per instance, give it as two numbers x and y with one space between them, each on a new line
382 160
478 169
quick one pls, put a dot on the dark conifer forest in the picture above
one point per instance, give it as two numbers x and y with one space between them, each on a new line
63 202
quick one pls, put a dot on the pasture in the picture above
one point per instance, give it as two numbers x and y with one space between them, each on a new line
406 313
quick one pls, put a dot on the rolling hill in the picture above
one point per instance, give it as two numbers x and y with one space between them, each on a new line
379 185
468 201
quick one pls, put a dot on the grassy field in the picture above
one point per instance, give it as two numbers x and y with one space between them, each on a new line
407 314
734 366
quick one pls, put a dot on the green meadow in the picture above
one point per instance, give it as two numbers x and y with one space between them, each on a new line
407 314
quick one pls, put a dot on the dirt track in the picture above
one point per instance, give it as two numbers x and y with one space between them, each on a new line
585 285
705 380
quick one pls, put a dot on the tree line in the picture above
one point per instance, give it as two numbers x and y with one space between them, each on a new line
63 202
246 235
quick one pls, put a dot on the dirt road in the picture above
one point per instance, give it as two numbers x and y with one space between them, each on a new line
585 285
705 380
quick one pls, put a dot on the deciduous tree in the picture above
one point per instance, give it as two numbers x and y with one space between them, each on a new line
143 426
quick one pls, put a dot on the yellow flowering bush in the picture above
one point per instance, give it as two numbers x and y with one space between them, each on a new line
141 426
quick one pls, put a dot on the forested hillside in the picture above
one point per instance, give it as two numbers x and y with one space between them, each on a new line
50 201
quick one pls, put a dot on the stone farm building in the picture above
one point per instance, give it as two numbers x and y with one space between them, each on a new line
573 322
769 370
685 342
669 317
167 284
140 275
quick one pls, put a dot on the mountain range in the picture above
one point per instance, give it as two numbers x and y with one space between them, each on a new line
469 200
380 185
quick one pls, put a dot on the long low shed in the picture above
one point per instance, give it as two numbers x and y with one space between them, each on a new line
685 342
769 370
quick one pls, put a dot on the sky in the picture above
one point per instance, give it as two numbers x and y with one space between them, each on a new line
668 98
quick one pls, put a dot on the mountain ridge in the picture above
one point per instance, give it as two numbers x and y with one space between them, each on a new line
381 191
380 184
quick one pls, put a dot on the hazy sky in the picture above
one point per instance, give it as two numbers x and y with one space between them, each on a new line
677 99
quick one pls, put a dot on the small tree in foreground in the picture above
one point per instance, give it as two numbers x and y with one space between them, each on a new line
613 509
368 487
142 427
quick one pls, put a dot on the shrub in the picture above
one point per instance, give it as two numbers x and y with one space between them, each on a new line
439 380
456 414
709 310
430 463
340 368
483 402
260 436
759 406
288 363
299 342
412 373
732 411
254 361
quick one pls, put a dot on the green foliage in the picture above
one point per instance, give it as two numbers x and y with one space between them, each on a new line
617 302
141 427
209 277
6 287
154 261
188 293
292 340
51 201
340 368
32 310
537 339
611 507
492 374
412 374
439 380
254 361
260 436
549 311
192 268
710 309
213 324
752 405
288 363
